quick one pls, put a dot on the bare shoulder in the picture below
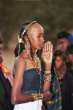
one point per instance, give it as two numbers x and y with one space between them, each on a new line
20 67
21 59
24 55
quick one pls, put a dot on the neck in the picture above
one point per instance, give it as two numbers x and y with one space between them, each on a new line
34 51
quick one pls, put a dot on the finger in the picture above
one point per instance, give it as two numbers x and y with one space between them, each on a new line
45 48
47 45
51 49
50 46
51 52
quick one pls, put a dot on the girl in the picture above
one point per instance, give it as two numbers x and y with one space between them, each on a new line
27 92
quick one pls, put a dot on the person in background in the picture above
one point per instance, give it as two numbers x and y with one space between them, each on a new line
60 64
70 56
62 41
6 82
63 69
60 69
70 37
57 70
69 80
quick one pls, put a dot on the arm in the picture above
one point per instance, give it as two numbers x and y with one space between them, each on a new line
17 96
47 58
47 78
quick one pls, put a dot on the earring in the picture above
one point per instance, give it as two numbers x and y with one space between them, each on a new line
27 46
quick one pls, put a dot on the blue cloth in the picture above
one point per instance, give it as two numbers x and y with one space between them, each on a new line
32 81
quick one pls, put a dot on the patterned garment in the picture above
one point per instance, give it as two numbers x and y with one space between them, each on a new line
7 74
55 103
2 107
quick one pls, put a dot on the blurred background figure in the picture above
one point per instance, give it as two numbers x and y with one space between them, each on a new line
70 37
62 41
60 63
70 56
64 70
5 83
60 69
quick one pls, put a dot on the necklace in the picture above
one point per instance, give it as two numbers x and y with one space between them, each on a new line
37 62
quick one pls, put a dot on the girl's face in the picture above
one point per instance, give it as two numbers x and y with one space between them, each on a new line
58 62
36 36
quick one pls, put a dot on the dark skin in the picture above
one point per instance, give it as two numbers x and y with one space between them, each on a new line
18 82
60 66
62 44
35 34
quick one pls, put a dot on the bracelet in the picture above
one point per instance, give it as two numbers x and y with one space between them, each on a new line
50 102
47 75
47 72
48 78
40 95
37 96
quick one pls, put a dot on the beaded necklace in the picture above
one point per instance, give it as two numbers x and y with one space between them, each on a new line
37 62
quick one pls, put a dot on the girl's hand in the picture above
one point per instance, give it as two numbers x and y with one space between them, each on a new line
47 53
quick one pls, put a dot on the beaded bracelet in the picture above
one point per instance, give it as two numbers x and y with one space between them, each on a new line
37 96
47 75
47 72
50 102
47 78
